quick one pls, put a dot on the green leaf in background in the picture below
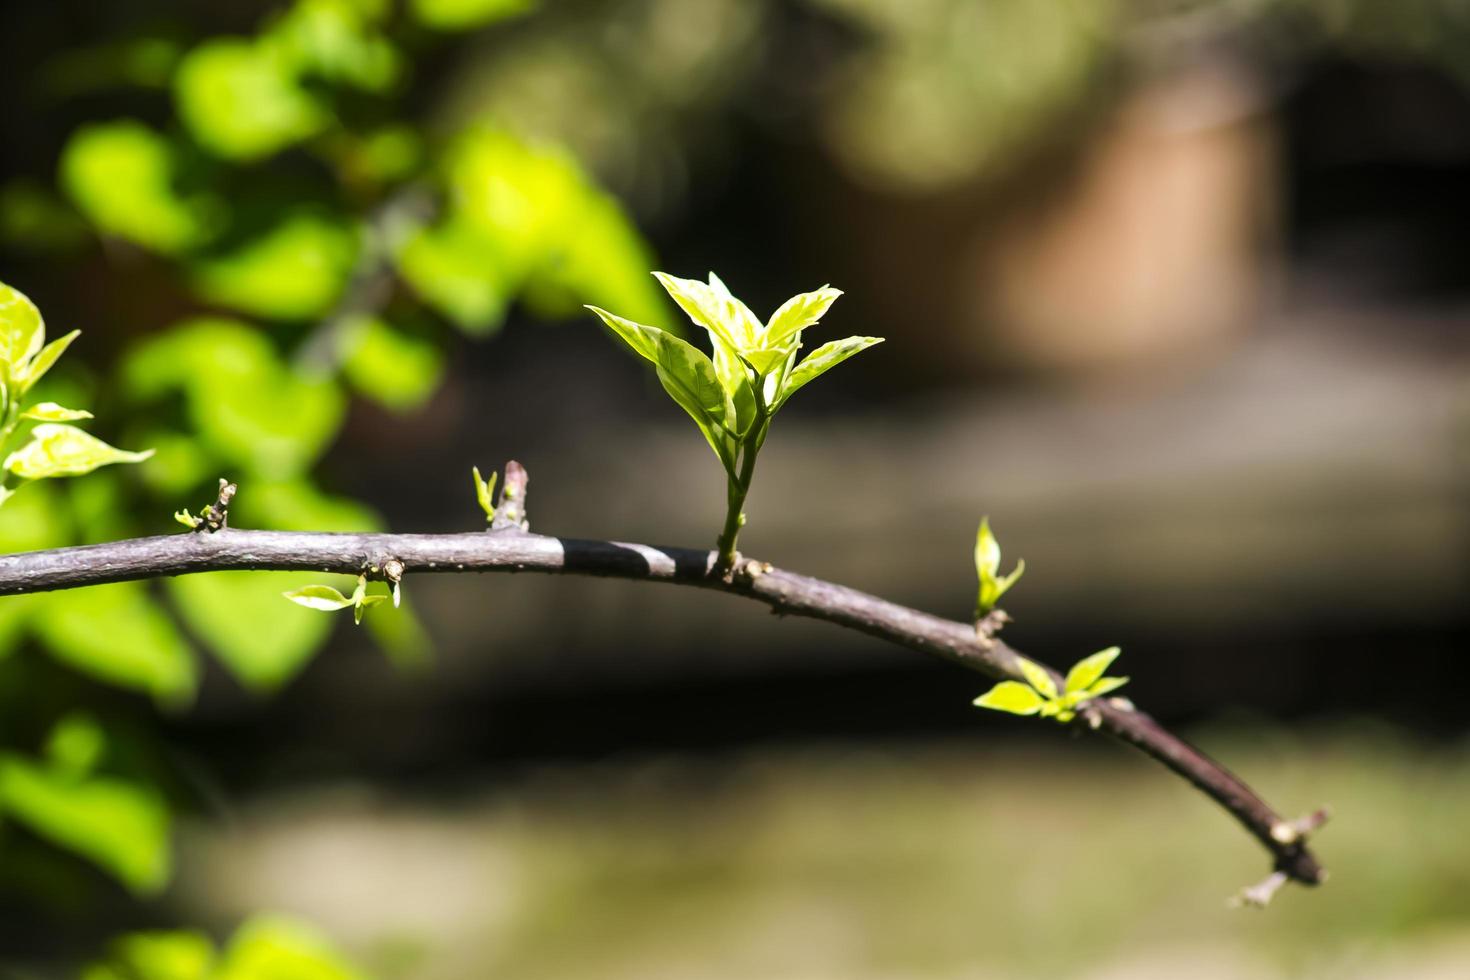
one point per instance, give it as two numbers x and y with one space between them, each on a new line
987 569
64 450
394 369
251 408
52 412
1011 696
295 271
277 948
240 617
76 745
1038 677
1087 671
22 332
463 15
822 360
118 635
453 269
121 826
336 41
121 177
242 100
32 521
179 955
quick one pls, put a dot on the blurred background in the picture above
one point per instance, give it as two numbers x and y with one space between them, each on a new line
1173 291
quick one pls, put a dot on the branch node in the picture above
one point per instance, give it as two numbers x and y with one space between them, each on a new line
1259 895
217 515
1292 831
510 512
989 625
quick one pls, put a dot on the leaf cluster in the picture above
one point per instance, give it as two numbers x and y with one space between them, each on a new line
1039 694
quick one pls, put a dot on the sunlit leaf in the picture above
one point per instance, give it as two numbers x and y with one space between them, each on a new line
485 492
992 585
276 948
335 40
180 955
454 267
294 271
822 360
242 100
461 15
64 450
394 369
47 359
641 338
76 745
709 308
116 634
1011 696
1085 672
1105 685
362 605
1037 676
22 331
52 412
121 176
121 826
321 597
799 312
689 378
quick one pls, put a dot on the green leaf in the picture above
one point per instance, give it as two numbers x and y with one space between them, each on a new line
179 955
454 268
1038 677
1011 696
118 635
76 744
735 379
121 176
239 617
360 608
47 359
276 948
243 100
642 339
987 567
294 271
709 308
1085 672
121 826
187 519
64 450
322 597
485 492
1105 685
395 370
689 378
799 312
52 412
337 41
463 15
822 360
21 330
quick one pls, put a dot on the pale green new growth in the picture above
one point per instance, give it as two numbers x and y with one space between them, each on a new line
1039 694
993 585
484 493
733 395
54 449
187 519
324 598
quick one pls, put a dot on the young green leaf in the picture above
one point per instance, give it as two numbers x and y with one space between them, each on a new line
65 450
322 597
1038 677
1105 685
1085 672
52 412
710 308
187 519
799 312
484 492
642 339
360 607
820 361
21 329
689 378
1011 696
987 569
46 360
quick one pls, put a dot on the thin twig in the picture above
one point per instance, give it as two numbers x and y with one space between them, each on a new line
512 549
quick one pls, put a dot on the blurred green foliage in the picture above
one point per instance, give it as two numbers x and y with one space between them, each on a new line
264 948
326 240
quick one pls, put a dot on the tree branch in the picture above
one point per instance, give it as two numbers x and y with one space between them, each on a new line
512 549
